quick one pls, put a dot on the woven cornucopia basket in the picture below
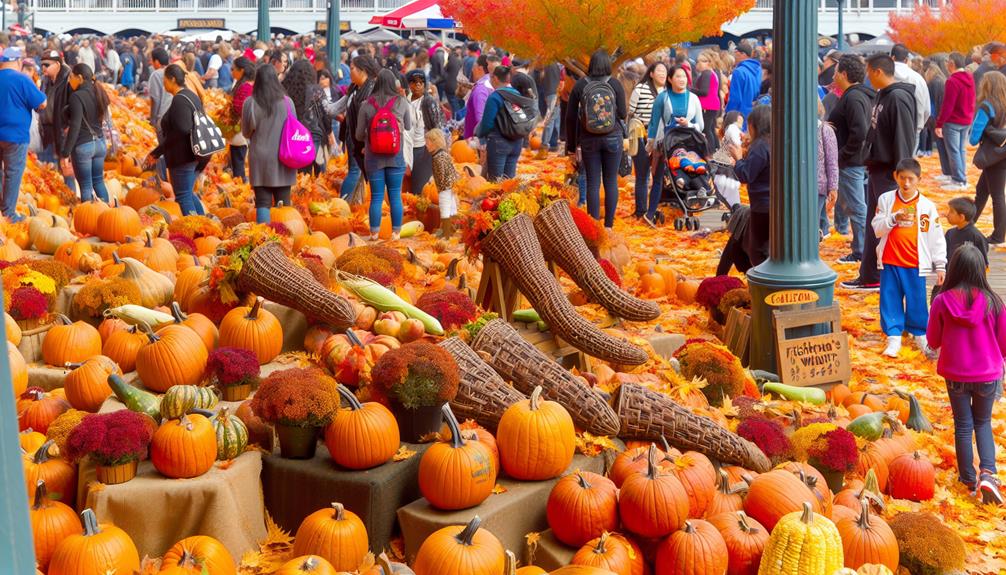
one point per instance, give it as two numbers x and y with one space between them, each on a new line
562 243
272 275
527 367
514 247
647 414
482 393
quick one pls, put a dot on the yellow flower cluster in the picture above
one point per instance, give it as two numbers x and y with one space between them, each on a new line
803 438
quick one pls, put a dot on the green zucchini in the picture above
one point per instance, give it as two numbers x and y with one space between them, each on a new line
135 399
526 316
814 395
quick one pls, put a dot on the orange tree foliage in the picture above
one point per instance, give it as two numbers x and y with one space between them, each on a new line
958 26
554 30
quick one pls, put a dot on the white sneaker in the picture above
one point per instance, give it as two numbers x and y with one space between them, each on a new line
954 187
943 178
893 346
923 345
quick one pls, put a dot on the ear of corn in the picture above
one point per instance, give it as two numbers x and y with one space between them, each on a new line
803 543
138 315
383 299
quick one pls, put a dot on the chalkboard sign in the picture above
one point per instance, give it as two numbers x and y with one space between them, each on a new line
816 359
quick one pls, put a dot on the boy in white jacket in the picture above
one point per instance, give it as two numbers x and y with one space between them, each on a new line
911 248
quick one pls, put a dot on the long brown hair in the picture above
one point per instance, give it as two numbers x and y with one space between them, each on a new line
992 91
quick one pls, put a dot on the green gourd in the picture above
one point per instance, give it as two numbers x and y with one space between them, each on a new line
232 434
179 399
134 398
917 420
814 395
870 426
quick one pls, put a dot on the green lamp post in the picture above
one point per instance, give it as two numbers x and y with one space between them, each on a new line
793 262
333 38
264 32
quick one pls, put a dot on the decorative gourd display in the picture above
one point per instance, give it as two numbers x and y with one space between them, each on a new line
201 551
457 474
199 323
118 223
868 539
610 552
232 434
307 565
745 539
363 435
536 439
460 550
36 409
134 398
698 476
70 342
18 369
696 549
60 477
185 447
174 356
180 399
155 289
581 507
51 523
86 385
776 493
654 503
99 550
803 542
911 477
335 534
254 329
122 347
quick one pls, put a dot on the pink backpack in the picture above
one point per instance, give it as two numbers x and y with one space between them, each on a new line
296 148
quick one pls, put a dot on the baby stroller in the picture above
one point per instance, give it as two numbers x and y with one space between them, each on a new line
687 183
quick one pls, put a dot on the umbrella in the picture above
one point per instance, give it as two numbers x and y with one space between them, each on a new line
416 15
879 45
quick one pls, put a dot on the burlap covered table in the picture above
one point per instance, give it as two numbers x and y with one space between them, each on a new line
295 488
509 515
158 512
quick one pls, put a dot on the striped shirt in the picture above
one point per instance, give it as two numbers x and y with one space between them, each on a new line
641 102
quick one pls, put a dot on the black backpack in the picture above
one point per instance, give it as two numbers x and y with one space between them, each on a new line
517 117
598 108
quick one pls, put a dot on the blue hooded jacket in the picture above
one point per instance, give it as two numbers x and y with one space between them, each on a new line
744 86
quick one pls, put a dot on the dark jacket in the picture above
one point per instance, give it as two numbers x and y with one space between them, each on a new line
52 120
851 119
937 91
84 122
489 124
433 115
753 170
956 237
451 70
574 126
176 126
892 128
360 95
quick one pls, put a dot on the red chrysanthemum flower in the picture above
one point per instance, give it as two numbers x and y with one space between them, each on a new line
768 435
110 438
28 303
232 366
711 290
835 450
452 308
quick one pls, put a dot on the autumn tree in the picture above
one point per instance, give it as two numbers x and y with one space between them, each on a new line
556 30
957 26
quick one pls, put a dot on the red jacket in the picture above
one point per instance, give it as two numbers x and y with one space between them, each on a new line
240 95
958 100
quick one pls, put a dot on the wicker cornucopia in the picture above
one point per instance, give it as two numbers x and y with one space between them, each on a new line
482 393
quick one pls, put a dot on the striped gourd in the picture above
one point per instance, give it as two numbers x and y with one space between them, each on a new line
232 435
179 399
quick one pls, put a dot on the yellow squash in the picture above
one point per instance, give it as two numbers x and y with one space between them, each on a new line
803 543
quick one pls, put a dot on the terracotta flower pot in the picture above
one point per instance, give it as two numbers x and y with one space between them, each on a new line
235 392
296 442
413 424
115 474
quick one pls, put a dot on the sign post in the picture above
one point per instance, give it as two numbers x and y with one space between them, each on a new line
333 39
264 32
812 360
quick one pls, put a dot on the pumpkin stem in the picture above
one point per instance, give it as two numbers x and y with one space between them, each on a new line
689 528
40 495
468 533
651 462
309 565
384 563
582 480
864 516
187 559
723 482
149 242
90 523
340 511
62 319
742 523
54 222
452 268
42 453
347 395
808 514
602 542
153 337
227 201
510 564
535 397
177 313
72 365
353 338
32 210
452 423
116 258
667 446
253 312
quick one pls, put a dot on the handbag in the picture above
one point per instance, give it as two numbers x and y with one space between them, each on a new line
991 149
296 147
205 137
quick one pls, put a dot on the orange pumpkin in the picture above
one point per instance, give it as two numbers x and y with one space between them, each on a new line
686 290
335 534
99 549
745 539
85 216
460 550
370 420
868 539
13 329
51 523
202 551
776 493
254 329
654 503
60 477
18 369
36 409
582 506
118 223
70 342
173 356
186 283
87 384
307 565
463 153
206 245
698 476
456 475
536 439
652 284
199 323
289 217
698 548
350 356
610 552
10 251
122 347
185 447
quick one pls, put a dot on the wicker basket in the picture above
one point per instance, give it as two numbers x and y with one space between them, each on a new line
514 246
527 367
32 334
562 243
647 414
272 275
482 394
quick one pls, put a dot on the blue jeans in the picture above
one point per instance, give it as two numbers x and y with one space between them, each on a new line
550 133
352 177
601 157
903 302
89 168
457 106
392 179
12 157
955 136
641 165
266 197
183 180
841 220
822 204
941 150
972 405
502 156
48 156
852 200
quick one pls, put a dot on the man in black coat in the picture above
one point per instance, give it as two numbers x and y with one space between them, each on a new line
55 76
891 139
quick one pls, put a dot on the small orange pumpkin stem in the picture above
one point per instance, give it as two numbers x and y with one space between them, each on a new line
651 462
468 533
353 338
339 511
62 319
723 482
72 365
452 423
535 398
601 544
667 446
40 495
808 514
90 523
253 312
742 522
864 516
689 528
116 258
227 201
54 222
385 563
582 480
153 337
188 559
149 242
347 395
177 313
